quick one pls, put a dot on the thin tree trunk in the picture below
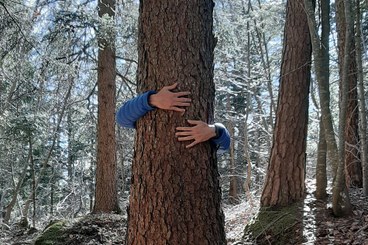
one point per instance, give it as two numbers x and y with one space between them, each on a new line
266 65
10 206
247 183
34 190
10 94
320 52
70 163
48 157
321 175
320 49
52 189
321 60
363 114
248 110
353 167
340 196
233 189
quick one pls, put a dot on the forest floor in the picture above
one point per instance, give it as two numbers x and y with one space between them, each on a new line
318 225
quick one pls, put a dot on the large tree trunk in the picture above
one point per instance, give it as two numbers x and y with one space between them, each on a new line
353 167
175 195
285 175
106 175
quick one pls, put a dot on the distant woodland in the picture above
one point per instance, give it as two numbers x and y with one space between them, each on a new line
288 79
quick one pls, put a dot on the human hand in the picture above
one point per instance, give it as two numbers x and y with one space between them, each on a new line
167 100
200 132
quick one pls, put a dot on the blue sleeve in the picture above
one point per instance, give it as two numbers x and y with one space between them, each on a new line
223 140
134 109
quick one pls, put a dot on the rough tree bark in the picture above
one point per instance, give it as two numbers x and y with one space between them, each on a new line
175 195
353 167
284 183
106 197
363 113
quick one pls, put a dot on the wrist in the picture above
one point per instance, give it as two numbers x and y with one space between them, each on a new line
213 131
152 100
217 132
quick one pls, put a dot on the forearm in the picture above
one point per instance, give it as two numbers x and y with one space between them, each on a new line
133 109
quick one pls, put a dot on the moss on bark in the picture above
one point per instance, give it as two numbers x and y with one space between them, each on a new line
53 234
276 226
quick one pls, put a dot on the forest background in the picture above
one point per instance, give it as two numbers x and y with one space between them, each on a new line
48 101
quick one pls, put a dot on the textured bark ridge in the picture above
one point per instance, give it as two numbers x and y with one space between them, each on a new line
353 167
175 196
106 189
285 175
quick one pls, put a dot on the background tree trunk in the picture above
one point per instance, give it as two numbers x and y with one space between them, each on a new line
285 175
340 196
353 167
106 174
320 47
46 162
175 195
233 187
10 206
321 174
363 113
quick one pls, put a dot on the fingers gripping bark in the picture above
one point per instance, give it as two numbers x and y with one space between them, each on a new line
199 132
167 100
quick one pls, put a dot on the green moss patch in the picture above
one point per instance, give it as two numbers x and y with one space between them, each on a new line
53 234
91 229
276 226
